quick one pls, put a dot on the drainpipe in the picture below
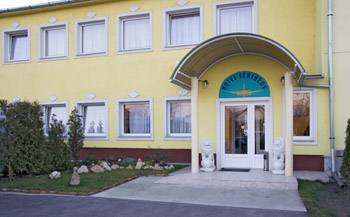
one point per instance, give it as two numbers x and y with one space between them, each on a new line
331 103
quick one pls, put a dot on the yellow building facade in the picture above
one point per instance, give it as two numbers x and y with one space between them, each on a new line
113 61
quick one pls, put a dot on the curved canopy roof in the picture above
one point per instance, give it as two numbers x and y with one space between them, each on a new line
212 51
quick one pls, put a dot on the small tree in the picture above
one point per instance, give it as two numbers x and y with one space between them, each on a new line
75 135
345 168
58 149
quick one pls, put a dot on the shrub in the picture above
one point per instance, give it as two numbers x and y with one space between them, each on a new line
157 158
75 135
90 159
345 168
57 148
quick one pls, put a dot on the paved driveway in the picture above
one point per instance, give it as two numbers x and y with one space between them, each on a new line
26 205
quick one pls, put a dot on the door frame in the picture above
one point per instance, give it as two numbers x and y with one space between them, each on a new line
268 122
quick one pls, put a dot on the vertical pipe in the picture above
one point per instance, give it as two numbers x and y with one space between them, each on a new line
289 123
194 124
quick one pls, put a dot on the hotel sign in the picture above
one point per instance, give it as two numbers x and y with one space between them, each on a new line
244 84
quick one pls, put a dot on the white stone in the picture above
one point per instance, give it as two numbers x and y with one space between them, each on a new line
151 167
133 8
157 167
182 2
182 92
75 180
55 175
90 14
130 167
83 169
171 166
90 96
146 167
207 155
134 94
52 98
115 166
97 169
16 99
278 156
106 166
15 24
52 19
138 164
121 167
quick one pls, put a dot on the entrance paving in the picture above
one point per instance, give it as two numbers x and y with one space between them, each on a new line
152 189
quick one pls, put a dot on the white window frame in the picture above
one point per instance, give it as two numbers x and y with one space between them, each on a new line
6 44
79 104
168 12
42 40
78 36
44 106
166 119
120 119
231 4
312 139
120 31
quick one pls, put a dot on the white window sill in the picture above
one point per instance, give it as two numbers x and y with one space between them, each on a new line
16 61
96 137
129 137
174 47
135 51
52 58
91 54
177 138
305 142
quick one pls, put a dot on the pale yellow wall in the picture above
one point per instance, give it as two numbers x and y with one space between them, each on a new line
291 23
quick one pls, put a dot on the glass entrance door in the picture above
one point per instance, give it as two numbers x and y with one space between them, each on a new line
243 133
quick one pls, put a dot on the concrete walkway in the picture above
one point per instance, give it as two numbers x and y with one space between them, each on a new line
147 188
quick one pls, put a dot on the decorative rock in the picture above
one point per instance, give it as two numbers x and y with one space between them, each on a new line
75 180
115 166
171 166
146 167
121 167
130 167
128 160
138 164
97 169
55 175
157 167
83 169
151 167
105 166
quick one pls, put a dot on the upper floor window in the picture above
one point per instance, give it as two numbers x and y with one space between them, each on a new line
16 45
182 27
235 16
53 41
134 32
54 110
91 37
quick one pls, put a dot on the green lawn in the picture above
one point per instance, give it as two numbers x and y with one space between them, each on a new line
88 182
308 192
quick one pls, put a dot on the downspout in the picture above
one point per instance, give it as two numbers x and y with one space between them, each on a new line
331 100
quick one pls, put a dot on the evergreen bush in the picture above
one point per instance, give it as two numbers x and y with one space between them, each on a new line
75 135
58 148
345 168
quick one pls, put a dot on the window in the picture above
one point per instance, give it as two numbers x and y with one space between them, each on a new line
236 16
53 41
91 37
57 110
177 118
134 32
94 118
135 119
16 45
182 27
305 116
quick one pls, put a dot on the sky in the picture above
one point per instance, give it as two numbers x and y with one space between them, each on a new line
18 3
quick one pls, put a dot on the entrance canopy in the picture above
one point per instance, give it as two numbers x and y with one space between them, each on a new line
212 51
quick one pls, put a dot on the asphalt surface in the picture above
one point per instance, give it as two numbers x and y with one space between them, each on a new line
31 205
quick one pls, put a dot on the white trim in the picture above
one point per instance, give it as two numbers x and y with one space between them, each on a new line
119 38
167 12
313 138
120 119
234 3
53 104
42 41
268 129
80 103
78 35
166 134
6 34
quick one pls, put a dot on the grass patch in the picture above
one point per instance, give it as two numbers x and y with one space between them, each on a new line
88 182
308 192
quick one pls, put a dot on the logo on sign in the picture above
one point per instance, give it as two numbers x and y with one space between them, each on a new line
244 84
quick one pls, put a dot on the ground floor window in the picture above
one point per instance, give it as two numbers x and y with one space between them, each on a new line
54 110
177 118
135 119
94 118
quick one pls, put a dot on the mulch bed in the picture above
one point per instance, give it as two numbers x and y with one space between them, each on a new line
77 193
